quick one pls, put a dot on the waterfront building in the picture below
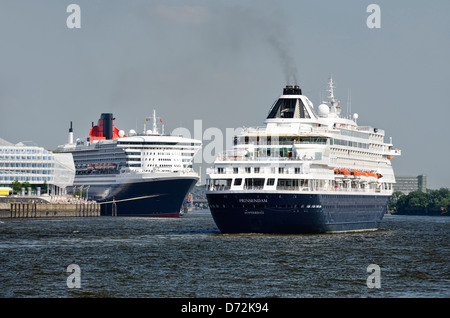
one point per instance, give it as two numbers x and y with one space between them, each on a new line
27 162
409 184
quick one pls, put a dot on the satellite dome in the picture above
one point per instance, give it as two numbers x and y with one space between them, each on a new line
132 132
323 110
121 133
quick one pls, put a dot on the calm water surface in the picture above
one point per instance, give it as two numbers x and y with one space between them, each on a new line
188 257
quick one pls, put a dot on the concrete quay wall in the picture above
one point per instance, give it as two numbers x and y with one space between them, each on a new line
42 210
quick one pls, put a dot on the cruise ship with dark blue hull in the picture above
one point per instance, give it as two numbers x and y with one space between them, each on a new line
284 213
139 174
156 198
307 170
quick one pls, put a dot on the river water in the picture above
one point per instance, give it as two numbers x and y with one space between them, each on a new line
189 258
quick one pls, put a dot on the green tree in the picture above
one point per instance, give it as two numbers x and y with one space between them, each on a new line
16 186
439 199
392 205
44 187
431 202
417 199
402 203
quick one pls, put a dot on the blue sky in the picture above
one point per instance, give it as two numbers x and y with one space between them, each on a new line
225 62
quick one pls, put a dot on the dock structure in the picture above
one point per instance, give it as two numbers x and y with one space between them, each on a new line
43 210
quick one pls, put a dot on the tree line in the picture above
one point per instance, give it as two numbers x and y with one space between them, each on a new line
432 202
17 186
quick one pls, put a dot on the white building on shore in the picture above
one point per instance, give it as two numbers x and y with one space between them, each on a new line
26 162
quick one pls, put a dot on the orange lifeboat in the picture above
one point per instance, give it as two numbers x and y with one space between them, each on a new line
357 173
342 172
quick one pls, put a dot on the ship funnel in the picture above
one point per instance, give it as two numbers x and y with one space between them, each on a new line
105 128
107 125
70 134
292 90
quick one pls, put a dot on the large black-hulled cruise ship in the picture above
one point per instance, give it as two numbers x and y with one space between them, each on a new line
146 174
306 171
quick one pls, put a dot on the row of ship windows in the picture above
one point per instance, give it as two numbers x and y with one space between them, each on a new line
284 183
269 206
159 159
353 206
140 143
147 159
280 196
259 182
148 165
342 142
157 166
154 153
150 151
340 151
293 140
297 206
274 140
353 133
297 170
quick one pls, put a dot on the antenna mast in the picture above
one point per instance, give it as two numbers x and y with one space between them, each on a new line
335 106
155 129
349 102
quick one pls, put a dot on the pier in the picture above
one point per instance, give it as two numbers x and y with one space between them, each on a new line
45 210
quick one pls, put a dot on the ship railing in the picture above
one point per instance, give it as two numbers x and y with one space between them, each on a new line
263 158
322 189
345 189
297 189
262 130
252 130
254 187
292 188
371 129
212 187
264 143
395 151
252 158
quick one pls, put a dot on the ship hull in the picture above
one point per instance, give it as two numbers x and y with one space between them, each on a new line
285 213
159 197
